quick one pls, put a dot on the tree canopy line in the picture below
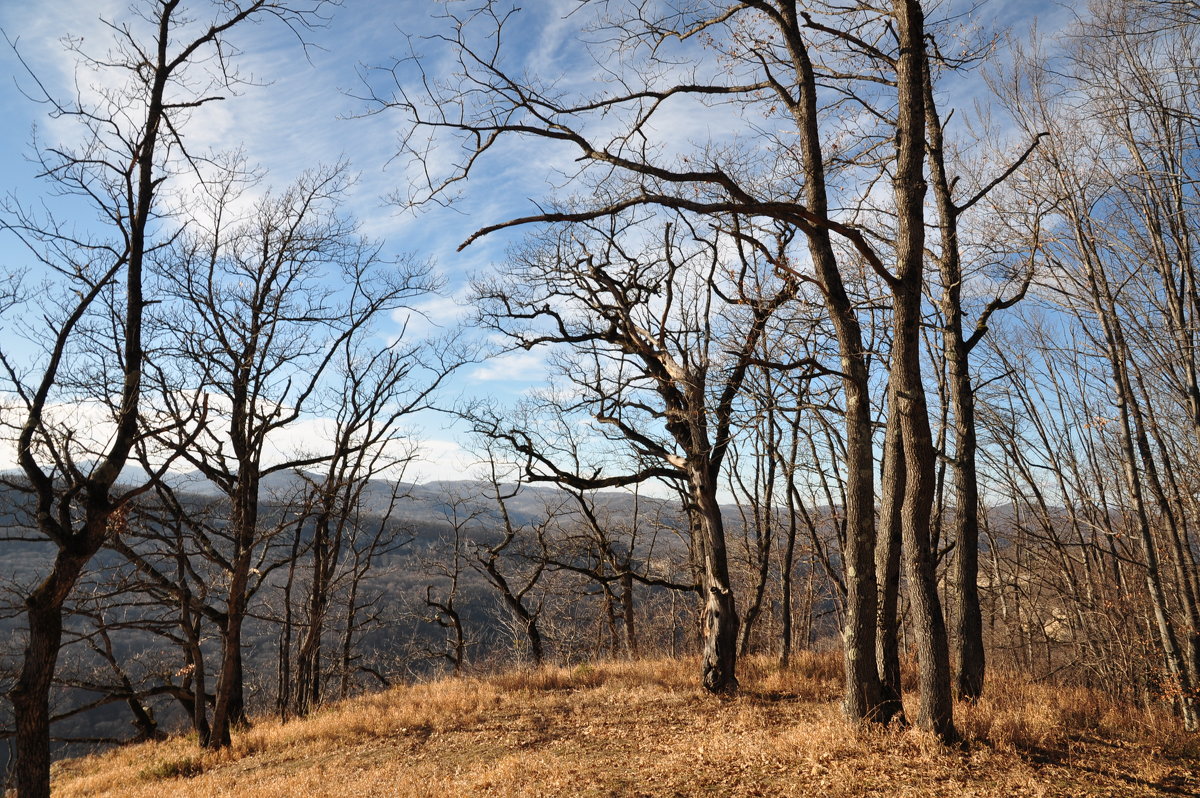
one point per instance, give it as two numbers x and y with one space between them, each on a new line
942 371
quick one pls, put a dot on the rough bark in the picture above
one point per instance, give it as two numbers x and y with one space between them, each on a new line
887 567
936 712
969 656
864 697
719 661
30 695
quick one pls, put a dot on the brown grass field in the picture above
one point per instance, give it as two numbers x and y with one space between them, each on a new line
646 729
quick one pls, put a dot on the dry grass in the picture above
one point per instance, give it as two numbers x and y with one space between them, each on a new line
644 728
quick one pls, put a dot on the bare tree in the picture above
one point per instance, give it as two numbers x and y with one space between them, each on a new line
522 596
461 512
806 70
617 546
250 335
1118 162
165 64
651 348
164 535
377 389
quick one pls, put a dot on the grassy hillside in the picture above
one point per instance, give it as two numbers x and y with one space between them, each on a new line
645 729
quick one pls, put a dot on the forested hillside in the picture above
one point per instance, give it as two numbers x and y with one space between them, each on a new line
728 331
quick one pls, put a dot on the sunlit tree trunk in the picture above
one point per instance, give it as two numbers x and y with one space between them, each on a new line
936 713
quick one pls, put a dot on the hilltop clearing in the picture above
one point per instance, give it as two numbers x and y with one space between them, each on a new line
646 729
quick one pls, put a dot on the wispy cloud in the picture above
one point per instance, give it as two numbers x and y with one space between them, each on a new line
431 316
300 111
527 367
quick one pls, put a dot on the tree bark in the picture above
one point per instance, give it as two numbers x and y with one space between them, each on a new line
30 695
936 713
787 562
969 655
631 639
887 567
864 696
230 706
720 620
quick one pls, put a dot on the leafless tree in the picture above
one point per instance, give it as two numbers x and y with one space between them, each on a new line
461 511
249 335
1118 162
377 390
808 71
165 63
651 349
615 542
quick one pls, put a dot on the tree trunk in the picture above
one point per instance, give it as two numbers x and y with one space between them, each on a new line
631 641
887 568
308 691
199 714
720 620
969 656
968 616
1131 430
30 695
228 676
936 713
786 567
286 682
230 705
760 586
863 690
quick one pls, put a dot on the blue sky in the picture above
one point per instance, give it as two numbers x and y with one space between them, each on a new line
308 115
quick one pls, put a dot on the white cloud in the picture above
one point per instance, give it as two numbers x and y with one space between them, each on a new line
90 424
439 460
513 367
431 316
92 429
